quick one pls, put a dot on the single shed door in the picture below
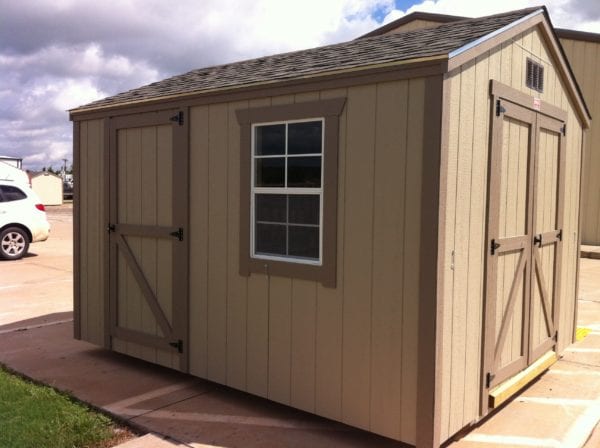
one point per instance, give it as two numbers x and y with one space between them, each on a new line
524 241
147 226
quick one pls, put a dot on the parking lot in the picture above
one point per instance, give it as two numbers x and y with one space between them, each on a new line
39 287
560 409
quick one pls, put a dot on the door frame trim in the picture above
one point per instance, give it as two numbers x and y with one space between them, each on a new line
180 140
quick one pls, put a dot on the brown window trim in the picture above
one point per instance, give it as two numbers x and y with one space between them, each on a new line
330 111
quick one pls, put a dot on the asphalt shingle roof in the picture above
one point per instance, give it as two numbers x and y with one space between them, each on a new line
359 53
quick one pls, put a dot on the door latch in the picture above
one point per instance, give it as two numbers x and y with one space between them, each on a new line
537 239
177 234
110 228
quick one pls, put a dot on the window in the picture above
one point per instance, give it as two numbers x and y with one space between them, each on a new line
287 191
10 193
288 204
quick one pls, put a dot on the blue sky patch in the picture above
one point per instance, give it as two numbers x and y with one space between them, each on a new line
380 13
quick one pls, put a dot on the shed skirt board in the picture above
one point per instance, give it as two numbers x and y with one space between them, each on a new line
526 193
148 257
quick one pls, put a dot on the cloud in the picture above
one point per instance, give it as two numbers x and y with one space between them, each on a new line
57 54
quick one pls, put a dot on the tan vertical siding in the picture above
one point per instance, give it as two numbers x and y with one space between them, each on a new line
584 58
218 116
237 286
198 266
464 231
388 239
330 302
91 272
348 353
358 253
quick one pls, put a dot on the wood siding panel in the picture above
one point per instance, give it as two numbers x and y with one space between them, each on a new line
304 319
388 263
257 322
416 126
358 255
91 226
199 241
330 302
452 87
461 248
237 286
81 178
280 339
218 116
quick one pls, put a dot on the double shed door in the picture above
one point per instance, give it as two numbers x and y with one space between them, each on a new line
147 227
526 194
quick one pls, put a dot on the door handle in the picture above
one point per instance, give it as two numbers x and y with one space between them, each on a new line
537 239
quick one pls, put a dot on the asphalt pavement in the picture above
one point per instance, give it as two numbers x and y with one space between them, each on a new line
560 409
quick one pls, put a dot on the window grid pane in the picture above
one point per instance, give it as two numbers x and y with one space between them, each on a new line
290 228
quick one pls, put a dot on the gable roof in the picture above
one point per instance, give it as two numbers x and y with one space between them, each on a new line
360 54
439 19
417 15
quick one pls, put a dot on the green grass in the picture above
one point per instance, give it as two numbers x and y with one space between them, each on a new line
38 416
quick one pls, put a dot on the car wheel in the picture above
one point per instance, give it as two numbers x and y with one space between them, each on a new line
14 243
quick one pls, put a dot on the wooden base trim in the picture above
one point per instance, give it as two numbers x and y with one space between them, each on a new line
511 386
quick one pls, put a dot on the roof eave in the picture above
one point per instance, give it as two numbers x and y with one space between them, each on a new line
439 62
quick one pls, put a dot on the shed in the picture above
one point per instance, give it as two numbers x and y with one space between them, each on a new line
48 186
582 50
383 232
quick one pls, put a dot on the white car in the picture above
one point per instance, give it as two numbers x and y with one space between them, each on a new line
22 219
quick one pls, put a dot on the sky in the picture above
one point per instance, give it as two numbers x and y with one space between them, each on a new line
59 54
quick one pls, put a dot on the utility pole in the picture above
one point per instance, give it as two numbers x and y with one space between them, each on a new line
64 170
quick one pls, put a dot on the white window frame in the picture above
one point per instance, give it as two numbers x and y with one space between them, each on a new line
285 190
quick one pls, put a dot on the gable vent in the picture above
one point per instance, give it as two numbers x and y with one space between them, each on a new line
534 78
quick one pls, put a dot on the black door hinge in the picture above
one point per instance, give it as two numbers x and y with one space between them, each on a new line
178 345
110 228
564 129
178 118
555 337
559 235
494 246
499 108
489 377
178 234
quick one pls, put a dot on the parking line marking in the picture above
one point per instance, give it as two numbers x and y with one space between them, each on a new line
557 401
575 372
582 350
40 325
512 440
